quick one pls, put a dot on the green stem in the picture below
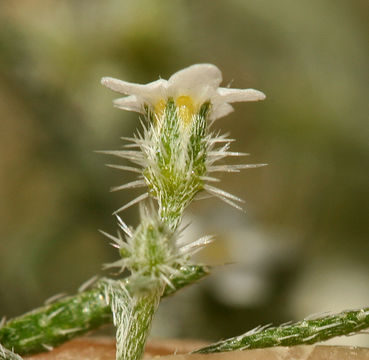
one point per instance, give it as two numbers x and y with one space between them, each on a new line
132 330
53 324
303 332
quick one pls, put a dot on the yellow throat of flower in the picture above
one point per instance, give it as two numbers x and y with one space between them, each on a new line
185 106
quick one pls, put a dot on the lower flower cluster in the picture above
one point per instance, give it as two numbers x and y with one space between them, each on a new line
153 253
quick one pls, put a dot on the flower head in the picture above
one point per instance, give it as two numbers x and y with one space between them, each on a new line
190 88
177 151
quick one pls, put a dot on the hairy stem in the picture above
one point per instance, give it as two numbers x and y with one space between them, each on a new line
53 324
133 327
303 332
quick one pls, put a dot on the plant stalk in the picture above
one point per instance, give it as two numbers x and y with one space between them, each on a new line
308 331
132 336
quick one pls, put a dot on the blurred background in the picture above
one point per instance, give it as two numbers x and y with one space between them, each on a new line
300 248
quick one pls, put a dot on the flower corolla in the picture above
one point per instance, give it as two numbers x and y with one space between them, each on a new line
190 88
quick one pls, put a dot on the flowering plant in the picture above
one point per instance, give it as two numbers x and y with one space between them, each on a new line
176 153
174 156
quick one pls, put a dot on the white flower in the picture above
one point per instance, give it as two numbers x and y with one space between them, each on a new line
177 154
190 88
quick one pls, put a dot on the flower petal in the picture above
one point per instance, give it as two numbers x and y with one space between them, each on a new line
130 103
150 92
199 80
240 95
220 110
